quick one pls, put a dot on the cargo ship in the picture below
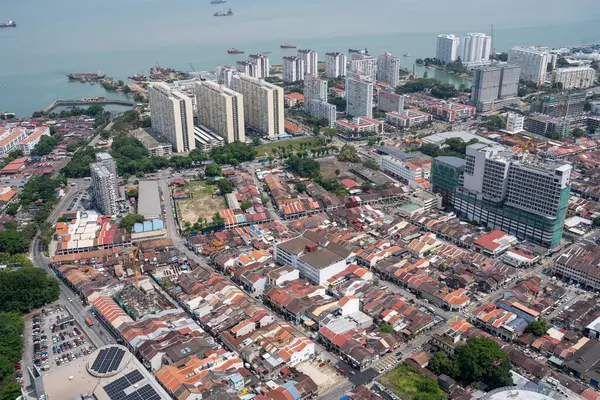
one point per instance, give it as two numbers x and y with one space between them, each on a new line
235 51
223 13
365 51
85 76
286 45
8 24
218 1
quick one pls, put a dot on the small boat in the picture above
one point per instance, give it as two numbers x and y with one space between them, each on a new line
406 55
218 1
223 13
286 45
9 24
235 51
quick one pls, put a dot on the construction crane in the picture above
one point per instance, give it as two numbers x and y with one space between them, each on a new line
192 67
524 141
136 268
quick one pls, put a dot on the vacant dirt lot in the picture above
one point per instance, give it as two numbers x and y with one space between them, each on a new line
202 202
330 165
325 377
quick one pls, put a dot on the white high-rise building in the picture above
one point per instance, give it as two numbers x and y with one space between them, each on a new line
359 96
477 47
263 105
533 62
315 88
574 77
293 69
494 86
225 75
172 115
315 100
111 165
390 101
515 123
262 65
311 61
335 65
103 189
388 69
364 64
247 68
221 110
447 48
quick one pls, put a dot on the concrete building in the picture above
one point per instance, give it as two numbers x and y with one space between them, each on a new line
364 64
495 87
515 123
446 175
562 105
311 61
315 88
390 101
523 196
225 75
28 144
206 139
221 110
111 165
293 69
408 118
447 48
545 125
533 62
149 200
262 65
247 68
315 100
574 77
154 147
388 69
263 105
476 48
359 96
335 65
103 189
172 115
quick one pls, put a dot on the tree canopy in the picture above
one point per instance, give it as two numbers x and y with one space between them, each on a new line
538 327
436 88
213 170
128 221
44 146
305 167
225 186
11 348
25 289
348 153
452 147
238 151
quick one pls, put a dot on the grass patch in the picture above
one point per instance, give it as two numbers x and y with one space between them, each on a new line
264 150
407 383
202 202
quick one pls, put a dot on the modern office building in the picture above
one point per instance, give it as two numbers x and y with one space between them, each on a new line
111 165
335 65
516 193
494 87
390 101
293 69
263 105
574 77
103 188
364 64
311 61
445 176
262 65
476 48
359 96
388 69
172 115
221 110
533 62
447 48
225 75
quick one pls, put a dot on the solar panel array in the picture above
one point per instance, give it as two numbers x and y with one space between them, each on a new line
108 360
116 389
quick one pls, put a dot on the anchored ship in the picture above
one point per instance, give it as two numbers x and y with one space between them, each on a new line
218 1
235 51
286 45
8 24
223 13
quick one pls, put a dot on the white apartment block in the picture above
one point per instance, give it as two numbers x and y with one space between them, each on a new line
262 65
364 64
390 101
404 169
315 88
247 68
388 69
221 110
206 139
359 96
321 109
111 165
225 75
103 189
293 69
263 105
29 143
408 118
447 48
476 48
515 123
335 65
311 61
172 115
533 62
10 138
574 77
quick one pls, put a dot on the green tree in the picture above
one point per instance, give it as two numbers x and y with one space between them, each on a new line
300 187
44 146
12 209
365 186
481 359
213 169
13 242
225 186
538 327
337 172
25 289
305 167
578 132
348 153
128 221
386 328
246 204
441 364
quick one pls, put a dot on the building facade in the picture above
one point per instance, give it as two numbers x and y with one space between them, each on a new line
390 101
293 69
315 100
515 123
446 175
476 48
221 110
311 61
388 69
263 105
262 65
574 77
335 65
495 87
533 62
447 48
225 75
111 165
359 96
364 64
172 115
103 188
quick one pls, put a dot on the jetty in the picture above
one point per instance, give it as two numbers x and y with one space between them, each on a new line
103 101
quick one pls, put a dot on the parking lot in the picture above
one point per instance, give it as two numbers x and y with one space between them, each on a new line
57 338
